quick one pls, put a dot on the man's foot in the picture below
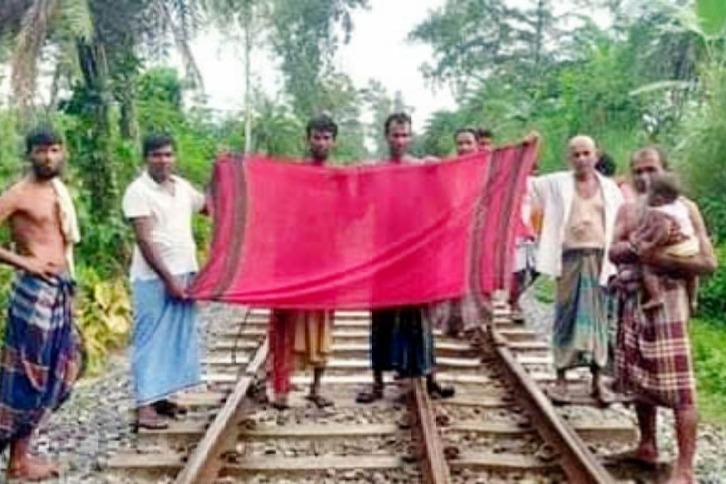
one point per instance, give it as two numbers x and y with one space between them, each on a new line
167 408
602 393
34 468
682 477
438 391
148 418
376 393
646 459
319 400
280 403
559 394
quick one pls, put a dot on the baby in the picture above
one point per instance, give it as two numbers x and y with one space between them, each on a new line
666 226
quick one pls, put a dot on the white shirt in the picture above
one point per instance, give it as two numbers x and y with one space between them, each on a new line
171 224
679 211
555 193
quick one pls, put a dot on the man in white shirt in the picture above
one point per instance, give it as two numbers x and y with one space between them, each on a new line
579 208
164 342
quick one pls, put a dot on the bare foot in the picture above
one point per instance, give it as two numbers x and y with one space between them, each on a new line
602 393
34 468
644 457
682 477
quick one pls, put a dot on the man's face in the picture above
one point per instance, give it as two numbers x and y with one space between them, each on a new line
582 155
465 143
644 167
160 163
485 143
320 144
398 138
47 160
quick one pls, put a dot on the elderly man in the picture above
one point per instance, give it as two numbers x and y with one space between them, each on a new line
579 208
653 351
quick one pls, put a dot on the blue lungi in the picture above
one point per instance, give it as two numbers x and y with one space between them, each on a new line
164 351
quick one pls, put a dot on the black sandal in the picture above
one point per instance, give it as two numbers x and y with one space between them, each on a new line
376 393
167 408
437 391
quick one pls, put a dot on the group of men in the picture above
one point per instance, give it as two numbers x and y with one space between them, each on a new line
585 241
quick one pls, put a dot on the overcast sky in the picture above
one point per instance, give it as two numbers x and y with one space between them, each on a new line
378 50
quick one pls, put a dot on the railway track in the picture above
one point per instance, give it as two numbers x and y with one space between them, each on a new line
500 427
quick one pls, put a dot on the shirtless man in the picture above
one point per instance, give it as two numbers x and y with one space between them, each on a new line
653 355
40 354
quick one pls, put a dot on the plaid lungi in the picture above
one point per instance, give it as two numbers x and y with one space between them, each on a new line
580 336
653 352
41 355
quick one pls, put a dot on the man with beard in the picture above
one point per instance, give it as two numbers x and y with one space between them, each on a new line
301 336
402 337
653 355
164 350
41 355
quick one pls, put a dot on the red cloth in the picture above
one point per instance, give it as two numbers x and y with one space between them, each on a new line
289 235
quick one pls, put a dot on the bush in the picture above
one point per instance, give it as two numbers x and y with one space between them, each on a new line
712 295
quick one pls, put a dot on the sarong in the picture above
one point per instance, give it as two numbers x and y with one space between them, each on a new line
164 350
297 339
412 351
41 355
580 330
653 352
402 340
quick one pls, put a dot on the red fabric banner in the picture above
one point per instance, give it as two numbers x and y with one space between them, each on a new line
290 235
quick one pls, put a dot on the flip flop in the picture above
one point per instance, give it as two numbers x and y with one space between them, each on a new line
370 396
631 457
319 401
155 423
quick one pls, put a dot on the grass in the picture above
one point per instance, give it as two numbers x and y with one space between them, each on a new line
708 340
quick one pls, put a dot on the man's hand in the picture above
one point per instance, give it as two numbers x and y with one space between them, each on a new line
42 269
176 289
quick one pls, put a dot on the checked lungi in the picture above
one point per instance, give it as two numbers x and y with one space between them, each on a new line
580 330
41 354
653 352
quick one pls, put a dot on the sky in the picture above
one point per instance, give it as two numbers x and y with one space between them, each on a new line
378 50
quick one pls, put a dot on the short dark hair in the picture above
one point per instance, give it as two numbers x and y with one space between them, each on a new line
42 136
473 131
662 155
398 118
154 141
665 185
606 165
323 124
485 133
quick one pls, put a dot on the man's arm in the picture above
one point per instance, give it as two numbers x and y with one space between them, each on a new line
142 233
621 250
703 263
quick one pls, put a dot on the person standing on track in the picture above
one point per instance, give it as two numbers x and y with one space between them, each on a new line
164 350
579 209
653 355
301 336
41 354
402 337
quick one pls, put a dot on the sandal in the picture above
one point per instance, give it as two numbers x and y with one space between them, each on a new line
280 405
319 400
376 393
167 408
151 423
437 391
